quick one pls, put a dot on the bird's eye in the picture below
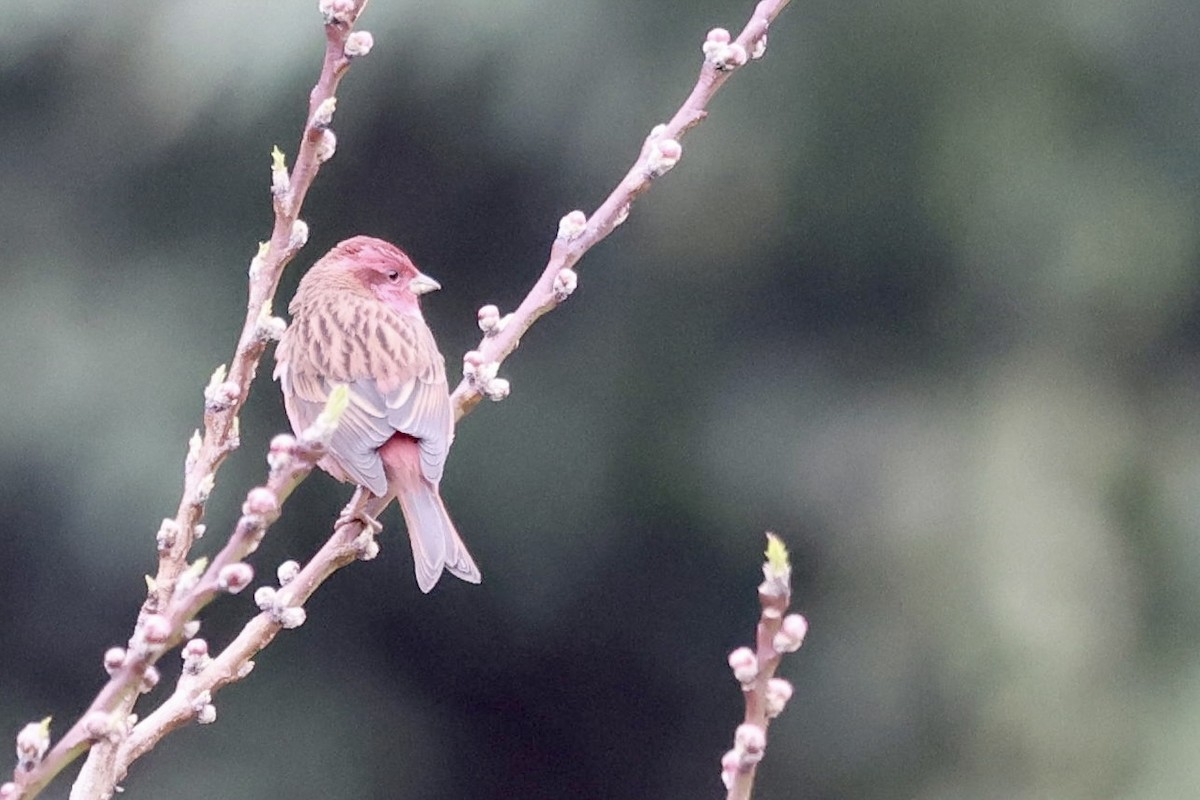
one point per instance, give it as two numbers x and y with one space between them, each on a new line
393 276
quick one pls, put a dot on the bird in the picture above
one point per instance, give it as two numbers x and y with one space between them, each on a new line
356 322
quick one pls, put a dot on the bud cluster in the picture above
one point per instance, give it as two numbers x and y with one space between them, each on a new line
481 374
723 53
268 600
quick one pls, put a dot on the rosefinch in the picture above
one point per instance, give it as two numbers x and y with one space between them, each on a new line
356 321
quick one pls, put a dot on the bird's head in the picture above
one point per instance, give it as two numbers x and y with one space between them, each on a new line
384 270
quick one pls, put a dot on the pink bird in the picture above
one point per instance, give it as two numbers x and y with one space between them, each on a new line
356 321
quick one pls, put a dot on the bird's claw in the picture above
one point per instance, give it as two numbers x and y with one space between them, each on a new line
352 514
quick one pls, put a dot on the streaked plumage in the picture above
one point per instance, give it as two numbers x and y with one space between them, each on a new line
356 321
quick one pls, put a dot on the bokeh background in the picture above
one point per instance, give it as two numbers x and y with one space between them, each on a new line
922 297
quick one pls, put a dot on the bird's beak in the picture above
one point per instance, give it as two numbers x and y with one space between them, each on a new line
422 284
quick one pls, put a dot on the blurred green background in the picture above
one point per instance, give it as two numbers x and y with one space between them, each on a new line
922 297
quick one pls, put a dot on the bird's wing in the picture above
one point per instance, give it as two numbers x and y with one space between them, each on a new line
396 378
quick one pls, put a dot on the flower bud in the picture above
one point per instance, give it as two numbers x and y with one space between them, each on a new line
358 44
206 712
472 361
323 116
292 617
221 396
281 451
264 598
366 546
233 578
721 51
489 318
32 743
486 373
664 154
716 37
336 10
286 571
326 145
497 389
298 237
779 691
281 183
154 630
752 741
744 664
565 283
760 48
193 454
572 225
114 659
203 489
791 634
150 679
195 656
270 329
260 502
168 534
731 765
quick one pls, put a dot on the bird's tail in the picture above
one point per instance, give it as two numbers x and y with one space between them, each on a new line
436 544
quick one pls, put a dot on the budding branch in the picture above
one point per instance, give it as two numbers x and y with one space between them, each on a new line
116 745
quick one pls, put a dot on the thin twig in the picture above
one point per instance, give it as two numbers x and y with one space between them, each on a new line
578 233
765 695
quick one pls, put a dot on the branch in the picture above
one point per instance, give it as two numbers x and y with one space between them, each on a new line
578 233
766 696
283 608
168 608
179 590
